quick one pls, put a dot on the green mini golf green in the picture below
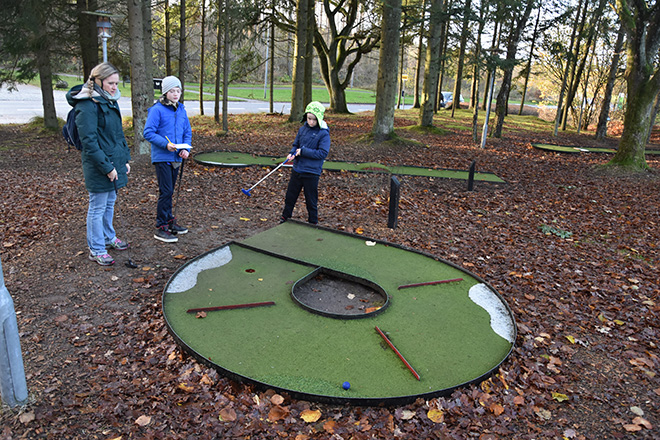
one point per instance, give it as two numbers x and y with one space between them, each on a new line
437 320
235 159
577 149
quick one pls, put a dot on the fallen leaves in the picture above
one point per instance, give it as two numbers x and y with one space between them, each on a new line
436 415
638 423
143 420
227 415
310 416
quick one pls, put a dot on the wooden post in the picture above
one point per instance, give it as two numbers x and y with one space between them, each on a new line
473 165
395 193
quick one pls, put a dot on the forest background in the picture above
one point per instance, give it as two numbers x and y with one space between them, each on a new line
590 62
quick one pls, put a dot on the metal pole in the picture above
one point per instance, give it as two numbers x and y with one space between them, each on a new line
484 133
13 386
105 49
266 67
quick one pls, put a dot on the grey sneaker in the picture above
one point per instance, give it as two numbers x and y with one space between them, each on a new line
163 234
118 244
103 260
177 229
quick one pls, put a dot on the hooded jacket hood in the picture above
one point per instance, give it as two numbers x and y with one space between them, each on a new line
317 109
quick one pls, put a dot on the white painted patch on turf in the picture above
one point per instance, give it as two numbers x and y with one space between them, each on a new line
500 320
187 277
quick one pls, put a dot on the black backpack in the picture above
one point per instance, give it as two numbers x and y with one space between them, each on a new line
70 130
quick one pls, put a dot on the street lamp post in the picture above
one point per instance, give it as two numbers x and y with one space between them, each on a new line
103 24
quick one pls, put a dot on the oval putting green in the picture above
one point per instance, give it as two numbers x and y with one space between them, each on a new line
441 324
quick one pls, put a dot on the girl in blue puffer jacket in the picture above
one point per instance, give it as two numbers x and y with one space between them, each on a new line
310 148
168 125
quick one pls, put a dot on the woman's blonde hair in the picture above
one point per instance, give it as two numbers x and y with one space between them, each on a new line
101 72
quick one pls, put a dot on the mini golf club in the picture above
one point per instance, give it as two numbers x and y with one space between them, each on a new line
178 191
128 263
247 191
429 283
398 353
231 307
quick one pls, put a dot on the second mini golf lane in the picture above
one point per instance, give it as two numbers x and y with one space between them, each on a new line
443 334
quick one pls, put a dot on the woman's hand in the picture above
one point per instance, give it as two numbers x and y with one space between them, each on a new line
171 146
112 175
183 154
128 168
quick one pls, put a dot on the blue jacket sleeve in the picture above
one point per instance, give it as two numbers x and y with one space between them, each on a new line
151 129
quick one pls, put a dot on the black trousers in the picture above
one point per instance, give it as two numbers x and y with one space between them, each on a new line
310 184
166 175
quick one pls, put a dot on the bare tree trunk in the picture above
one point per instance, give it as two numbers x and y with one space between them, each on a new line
642 27
401 92
442 49
519 20
88 36
272 60
564 80
592 28
461 57
383 127
528 69
309 52
141 86
601 129
432 64
148 42
46 80
202 53
225 70
218 61
654 115
218 64
168 40
420 55
489 80
182 47
571 77
299 55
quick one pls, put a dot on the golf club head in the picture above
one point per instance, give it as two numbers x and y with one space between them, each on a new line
130 264
246 192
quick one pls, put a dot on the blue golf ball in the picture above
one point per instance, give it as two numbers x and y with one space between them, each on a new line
346 385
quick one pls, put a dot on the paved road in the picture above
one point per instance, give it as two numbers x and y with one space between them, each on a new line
18 107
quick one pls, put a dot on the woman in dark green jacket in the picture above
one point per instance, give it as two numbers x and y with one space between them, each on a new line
105 156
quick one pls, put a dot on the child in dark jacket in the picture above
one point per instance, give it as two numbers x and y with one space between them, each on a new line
310 148
166 128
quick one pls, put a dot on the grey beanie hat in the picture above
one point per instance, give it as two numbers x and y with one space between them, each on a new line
170 82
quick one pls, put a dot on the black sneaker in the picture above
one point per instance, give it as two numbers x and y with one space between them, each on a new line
177 229
163 234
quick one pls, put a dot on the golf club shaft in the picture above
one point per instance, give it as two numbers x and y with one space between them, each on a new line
178 191
266 176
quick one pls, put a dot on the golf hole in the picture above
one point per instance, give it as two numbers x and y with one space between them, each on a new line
339 295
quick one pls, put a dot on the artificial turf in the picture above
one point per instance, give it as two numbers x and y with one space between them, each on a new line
445 336
578 149
236 159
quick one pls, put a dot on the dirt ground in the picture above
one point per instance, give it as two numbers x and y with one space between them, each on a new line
573 250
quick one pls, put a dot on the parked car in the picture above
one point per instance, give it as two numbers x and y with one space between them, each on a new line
447 98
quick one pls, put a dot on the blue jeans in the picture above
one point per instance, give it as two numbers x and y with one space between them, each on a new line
99 221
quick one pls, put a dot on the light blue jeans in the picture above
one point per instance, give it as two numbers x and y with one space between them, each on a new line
99 221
